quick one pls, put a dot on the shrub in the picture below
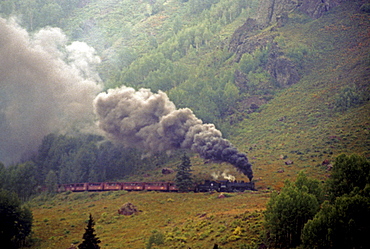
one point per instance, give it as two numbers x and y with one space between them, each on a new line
156 238
349 97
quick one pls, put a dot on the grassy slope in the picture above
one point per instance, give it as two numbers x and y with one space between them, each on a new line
310 133
187 220
311 130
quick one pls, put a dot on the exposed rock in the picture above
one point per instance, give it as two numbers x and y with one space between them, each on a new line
316 8
270 11
167 171
289 162
283 70
276 11
329 167
244 42
128 209
325 162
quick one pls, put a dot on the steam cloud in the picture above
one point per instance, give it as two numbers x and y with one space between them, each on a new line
46 85
150 121
224 174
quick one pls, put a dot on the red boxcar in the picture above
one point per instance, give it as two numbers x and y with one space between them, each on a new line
157 186
95 186
132 186
80 187
112 186
66 187
172 187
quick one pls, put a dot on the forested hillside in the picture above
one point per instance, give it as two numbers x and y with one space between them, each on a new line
232 63
286 82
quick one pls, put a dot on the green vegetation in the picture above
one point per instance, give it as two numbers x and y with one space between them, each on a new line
184 48
298 214
184 177
90 241
288 211
16 221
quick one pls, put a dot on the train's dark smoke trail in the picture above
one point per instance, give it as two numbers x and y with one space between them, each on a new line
46 85
151 122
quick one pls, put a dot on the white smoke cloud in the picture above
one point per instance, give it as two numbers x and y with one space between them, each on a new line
225 175
46 85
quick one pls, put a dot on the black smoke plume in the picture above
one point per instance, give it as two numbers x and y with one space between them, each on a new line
150 122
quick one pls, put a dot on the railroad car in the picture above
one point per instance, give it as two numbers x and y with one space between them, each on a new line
207 186
129 186
111 186
95 186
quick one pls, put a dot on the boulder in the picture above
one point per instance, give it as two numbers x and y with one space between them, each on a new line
167 171
128 209
289 162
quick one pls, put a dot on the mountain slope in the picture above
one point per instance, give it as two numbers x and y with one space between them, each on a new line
308 122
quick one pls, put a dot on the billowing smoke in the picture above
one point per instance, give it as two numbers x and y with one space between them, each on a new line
150 121
46 85
224 175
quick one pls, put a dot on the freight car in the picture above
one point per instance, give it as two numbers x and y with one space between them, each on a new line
112 186
207 186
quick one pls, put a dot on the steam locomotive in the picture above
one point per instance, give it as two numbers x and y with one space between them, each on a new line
207 186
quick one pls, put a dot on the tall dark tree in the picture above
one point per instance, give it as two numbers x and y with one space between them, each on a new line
15 221
90 241
184 179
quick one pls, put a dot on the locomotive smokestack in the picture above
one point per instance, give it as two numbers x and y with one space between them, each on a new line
150 121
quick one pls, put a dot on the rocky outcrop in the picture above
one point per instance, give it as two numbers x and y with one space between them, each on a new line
281 68
248 38
316 8
270 11
274 11
243 40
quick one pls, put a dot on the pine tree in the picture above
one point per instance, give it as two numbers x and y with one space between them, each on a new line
89 237
184 179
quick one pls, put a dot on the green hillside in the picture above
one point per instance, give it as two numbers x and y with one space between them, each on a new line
197 52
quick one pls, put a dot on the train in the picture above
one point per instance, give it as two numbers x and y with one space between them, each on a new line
207 186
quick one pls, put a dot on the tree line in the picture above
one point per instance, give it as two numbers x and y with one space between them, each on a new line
335 214
69 159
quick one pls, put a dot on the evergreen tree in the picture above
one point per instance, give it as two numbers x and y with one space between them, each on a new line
89 237
183 178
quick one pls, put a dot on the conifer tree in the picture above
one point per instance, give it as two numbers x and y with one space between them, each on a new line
90 241
183 178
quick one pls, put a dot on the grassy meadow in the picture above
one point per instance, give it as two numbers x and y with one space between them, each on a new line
196 220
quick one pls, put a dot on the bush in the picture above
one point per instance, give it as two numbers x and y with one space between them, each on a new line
349 97
156 238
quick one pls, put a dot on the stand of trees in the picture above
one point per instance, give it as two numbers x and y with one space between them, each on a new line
66 159
335 215
15 221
